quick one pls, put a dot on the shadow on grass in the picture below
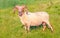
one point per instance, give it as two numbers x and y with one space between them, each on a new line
37 27
34 27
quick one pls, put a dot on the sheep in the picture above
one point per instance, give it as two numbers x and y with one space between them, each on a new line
32 19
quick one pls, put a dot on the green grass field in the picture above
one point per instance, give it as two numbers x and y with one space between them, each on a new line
11 27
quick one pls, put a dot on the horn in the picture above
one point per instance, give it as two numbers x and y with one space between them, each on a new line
25 8
14 9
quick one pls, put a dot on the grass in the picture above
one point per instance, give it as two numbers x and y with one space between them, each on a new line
11 27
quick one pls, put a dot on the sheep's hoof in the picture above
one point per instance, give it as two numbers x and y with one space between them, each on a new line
22 26
28 31
52 30
43 30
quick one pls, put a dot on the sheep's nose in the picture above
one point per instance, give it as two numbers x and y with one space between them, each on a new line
20 13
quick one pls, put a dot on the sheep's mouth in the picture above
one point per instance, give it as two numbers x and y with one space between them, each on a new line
20 14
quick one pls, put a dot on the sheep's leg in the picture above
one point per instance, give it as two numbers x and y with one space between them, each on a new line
50 26
44 25
28 28
25 27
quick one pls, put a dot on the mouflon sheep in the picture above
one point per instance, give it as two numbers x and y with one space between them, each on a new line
32 19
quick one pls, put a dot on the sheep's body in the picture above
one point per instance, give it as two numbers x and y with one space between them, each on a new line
34 19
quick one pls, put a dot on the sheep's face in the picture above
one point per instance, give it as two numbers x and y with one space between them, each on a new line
21 9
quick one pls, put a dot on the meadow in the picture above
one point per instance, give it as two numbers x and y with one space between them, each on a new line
11 27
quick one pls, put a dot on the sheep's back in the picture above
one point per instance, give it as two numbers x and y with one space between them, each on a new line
33 19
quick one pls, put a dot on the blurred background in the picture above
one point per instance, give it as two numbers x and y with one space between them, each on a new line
11 27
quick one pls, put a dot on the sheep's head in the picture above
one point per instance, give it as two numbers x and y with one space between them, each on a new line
21 9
